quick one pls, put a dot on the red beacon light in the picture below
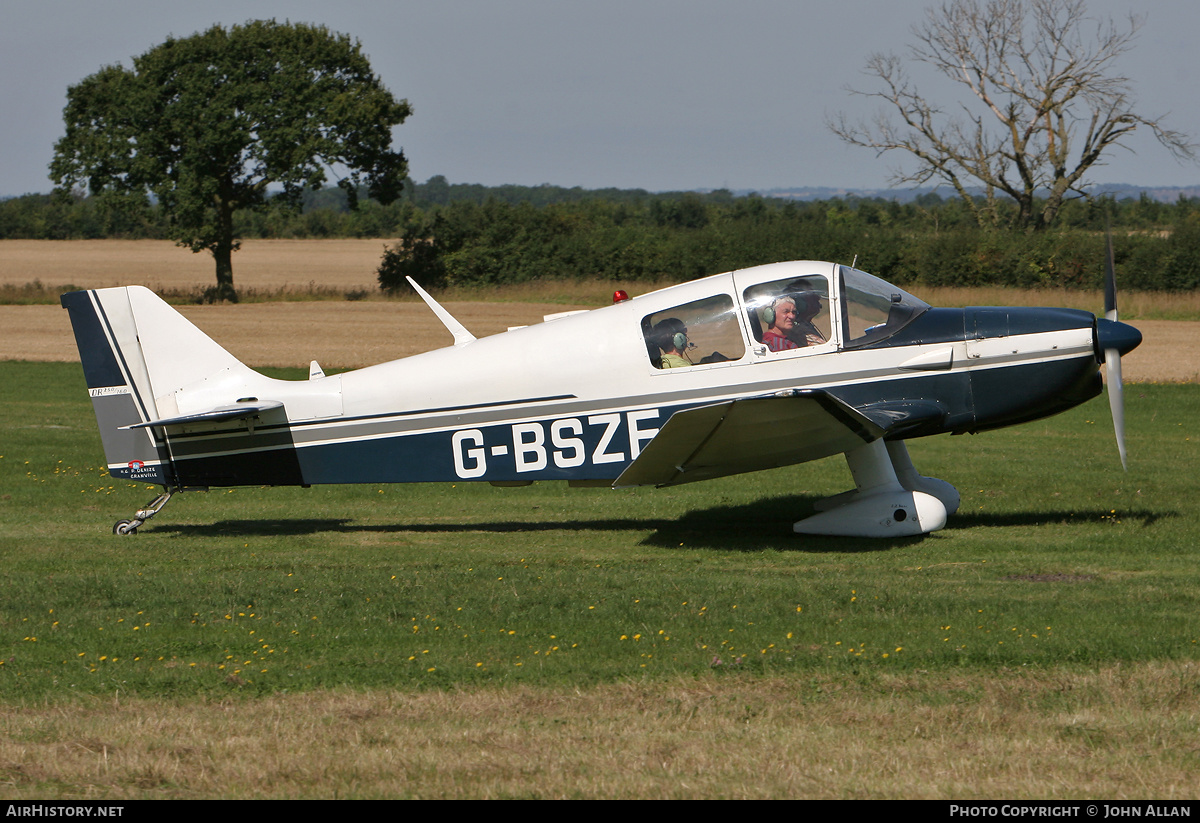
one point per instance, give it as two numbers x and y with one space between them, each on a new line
620 296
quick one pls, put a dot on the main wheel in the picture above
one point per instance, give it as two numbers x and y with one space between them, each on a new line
124 527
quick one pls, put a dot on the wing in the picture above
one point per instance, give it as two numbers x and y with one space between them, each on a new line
757 433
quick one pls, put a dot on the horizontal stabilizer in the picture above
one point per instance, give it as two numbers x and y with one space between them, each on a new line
748 435
239 411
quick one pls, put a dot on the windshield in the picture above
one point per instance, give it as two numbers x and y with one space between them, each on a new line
873 309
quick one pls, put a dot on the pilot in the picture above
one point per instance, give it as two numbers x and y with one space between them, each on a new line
781 319
804 332
671 336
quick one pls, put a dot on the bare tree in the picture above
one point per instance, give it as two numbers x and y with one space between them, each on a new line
1045 103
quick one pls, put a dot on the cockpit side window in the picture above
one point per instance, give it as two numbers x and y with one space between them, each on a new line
790 314
693 334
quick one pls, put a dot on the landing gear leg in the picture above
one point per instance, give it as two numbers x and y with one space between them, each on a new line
154 507
889 499
909 479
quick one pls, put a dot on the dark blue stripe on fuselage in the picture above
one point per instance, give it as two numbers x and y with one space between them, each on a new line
598 446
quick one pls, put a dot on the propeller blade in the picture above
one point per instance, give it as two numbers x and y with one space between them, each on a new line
1112 356
1116 398
1110 280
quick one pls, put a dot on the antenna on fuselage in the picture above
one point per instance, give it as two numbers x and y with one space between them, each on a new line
461 335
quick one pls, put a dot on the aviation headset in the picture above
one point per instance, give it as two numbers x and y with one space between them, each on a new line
768 313
671 334
804 298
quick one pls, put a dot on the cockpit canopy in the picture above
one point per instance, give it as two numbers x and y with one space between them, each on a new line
785 307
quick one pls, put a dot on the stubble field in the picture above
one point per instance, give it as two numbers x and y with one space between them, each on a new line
352 334
463 641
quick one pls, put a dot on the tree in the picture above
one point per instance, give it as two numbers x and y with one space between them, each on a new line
1045 103
206 123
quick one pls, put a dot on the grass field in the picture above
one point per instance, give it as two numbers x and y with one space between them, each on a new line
465 641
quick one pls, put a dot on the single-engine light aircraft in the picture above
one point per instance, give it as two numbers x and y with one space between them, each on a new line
748 370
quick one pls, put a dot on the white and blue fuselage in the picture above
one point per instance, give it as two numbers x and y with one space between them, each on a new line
582 397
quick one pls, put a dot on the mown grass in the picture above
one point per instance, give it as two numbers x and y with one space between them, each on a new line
1055 557
1058 574
1116 733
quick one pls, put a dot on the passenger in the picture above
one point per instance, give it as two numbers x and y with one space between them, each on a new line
781 319
671 336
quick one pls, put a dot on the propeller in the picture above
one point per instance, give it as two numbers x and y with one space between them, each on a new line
1115 339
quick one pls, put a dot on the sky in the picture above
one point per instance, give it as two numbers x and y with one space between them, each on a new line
654 94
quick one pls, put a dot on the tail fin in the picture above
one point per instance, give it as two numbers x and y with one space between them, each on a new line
142 360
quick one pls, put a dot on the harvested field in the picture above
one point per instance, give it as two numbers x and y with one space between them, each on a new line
163 266
337 334
353 334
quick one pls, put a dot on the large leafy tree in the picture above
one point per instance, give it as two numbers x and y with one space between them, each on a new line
204 124
1043 105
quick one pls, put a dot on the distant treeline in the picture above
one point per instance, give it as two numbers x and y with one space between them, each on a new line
462 234
324 213
929 241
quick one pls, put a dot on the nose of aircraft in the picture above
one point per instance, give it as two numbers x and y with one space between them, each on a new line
1113 334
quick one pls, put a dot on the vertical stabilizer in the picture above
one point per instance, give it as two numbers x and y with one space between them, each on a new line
118 383
137 354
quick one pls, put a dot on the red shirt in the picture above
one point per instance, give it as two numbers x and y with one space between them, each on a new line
777 342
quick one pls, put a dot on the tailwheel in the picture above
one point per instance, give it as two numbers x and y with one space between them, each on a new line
155 505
